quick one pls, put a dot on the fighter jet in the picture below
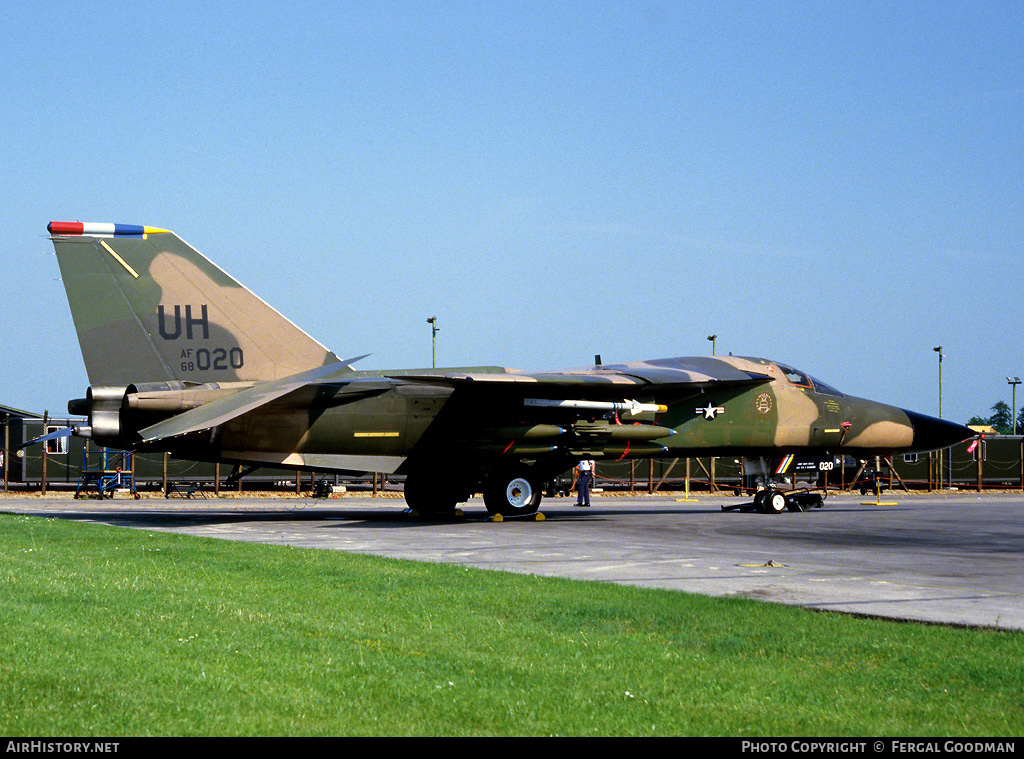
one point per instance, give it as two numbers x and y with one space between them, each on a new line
184 359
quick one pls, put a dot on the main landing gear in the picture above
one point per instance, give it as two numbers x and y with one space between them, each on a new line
429 493
510 492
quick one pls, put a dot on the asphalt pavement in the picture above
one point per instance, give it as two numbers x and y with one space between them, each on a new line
952 558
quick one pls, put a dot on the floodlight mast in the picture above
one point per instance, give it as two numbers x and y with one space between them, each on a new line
432 321
1013 383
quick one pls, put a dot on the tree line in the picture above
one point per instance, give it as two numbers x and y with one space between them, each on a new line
1001 420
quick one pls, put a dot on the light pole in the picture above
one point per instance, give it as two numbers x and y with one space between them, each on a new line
939 351
432 321
1014 382
713 338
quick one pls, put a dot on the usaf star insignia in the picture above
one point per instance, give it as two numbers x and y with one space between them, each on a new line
710 411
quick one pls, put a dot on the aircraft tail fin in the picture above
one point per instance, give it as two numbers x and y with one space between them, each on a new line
150 308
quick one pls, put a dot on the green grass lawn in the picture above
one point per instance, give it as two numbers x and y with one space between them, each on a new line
117 632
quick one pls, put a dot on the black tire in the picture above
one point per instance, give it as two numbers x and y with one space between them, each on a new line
513 493
775 503
761 501
427 493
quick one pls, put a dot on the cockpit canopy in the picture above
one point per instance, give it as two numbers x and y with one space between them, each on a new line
798 378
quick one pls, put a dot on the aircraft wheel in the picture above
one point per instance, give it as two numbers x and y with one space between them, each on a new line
512 494
429 494
775 502
761 501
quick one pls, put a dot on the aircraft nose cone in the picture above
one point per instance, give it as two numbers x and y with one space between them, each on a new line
931 433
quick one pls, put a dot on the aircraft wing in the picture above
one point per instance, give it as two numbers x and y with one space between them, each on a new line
224 409
677 379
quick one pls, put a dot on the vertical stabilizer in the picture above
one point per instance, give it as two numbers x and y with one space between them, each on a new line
148 308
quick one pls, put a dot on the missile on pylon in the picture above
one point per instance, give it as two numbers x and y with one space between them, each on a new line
627 406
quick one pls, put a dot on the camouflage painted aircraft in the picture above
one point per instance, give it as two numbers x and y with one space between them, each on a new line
184 359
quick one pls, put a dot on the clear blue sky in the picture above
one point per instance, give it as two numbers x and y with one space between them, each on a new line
836 185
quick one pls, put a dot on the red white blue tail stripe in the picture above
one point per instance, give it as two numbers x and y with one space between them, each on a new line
784 464
99 229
